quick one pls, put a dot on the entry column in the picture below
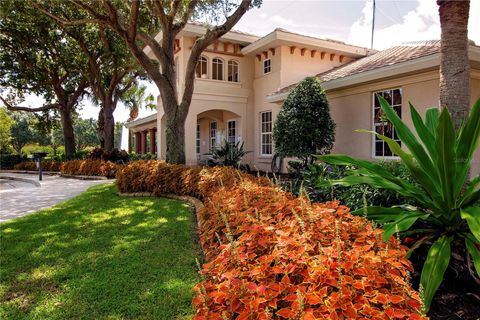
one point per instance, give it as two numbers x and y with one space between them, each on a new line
144 142
138 142
152 141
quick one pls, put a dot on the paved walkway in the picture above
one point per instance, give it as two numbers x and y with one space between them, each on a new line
18 198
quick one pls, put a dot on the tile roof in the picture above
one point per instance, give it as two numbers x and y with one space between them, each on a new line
397 54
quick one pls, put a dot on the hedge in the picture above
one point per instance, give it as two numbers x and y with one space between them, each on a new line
47 165
85 167
8 161
89 167
271 255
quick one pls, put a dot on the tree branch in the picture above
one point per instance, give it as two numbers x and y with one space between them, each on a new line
132 24
65 22
177 27
28 109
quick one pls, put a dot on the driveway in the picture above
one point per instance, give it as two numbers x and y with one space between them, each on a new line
19 198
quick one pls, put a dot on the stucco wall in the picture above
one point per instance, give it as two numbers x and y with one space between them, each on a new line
351 109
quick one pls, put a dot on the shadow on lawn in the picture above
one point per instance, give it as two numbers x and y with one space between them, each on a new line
100 256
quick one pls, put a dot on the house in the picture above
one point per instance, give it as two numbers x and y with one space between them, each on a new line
243 79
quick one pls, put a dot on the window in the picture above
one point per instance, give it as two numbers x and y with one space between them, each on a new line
232 132
382 125
197 140
232 75
266 133
201 70
217 72
213 135
267 66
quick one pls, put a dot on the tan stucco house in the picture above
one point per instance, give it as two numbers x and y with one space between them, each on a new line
243 79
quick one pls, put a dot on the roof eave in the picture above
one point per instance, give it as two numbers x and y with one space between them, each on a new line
138 122
303 40
372 75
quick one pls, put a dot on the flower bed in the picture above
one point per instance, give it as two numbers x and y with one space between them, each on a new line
271 255
86 167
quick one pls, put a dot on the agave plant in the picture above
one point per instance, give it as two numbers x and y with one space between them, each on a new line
228 154
440 162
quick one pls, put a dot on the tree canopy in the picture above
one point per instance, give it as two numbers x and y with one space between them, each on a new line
37 59
304 126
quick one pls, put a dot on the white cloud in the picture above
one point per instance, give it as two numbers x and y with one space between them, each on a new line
422 23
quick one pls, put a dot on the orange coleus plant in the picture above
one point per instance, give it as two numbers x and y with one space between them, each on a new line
89 167
270 255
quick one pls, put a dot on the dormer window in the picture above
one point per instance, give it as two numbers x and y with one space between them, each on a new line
267 66
201 70
232 74
217 69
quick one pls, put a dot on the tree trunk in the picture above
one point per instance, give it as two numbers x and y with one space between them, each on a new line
108 127
68 134
454 63
175 137
100 128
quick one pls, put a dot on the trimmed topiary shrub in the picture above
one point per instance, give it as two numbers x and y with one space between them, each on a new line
304 126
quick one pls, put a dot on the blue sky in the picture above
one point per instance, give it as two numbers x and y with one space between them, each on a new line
396 21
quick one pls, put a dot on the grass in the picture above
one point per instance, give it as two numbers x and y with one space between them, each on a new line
100 256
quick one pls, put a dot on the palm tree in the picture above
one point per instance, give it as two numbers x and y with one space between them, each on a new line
454 63
136 98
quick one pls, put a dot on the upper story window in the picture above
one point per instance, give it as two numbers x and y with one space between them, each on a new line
217 69
266 145
382 125
201 70
267 66
232 74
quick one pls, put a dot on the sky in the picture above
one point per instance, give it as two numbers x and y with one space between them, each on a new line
396 21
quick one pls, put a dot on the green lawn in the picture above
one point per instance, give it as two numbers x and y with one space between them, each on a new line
100 256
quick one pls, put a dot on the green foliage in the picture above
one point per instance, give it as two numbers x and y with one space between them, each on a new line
439 160
228 154
100 256
304 126
6 123
313 181
86 134
133 156
24 131
8 161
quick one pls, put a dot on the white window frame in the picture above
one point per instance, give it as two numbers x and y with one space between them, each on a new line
237 64
215 68
262 134
197 140
374 124
269 65
213 138
235 135
206 71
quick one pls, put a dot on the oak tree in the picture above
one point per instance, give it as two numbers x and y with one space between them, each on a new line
36 58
